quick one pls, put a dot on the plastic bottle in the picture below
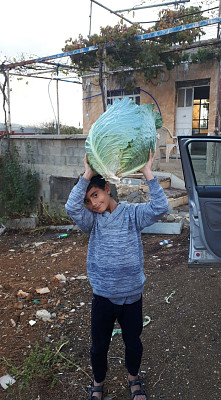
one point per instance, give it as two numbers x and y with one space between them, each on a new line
164 242
63 235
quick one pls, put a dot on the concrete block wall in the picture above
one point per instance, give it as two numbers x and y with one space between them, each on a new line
57 159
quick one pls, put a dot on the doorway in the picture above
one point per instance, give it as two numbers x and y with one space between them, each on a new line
192 114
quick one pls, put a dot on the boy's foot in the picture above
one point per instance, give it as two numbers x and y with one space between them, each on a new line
96 391
136 389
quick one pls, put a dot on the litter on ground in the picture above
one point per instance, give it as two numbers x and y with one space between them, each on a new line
6 381
167 298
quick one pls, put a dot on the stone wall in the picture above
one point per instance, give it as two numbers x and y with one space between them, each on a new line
57 159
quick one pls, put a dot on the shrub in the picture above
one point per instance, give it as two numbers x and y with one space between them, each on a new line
19 186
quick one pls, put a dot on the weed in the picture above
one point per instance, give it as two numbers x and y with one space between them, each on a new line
41 363
19 186
52 216
41 366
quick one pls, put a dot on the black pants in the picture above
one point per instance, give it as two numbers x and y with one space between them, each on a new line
103 315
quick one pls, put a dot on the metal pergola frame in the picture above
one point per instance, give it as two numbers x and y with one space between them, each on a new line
55 66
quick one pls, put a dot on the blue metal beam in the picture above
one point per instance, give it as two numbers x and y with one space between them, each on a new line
139 37
181 28
69 53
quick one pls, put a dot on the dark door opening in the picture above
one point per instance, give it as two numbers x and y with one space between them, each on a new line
200 117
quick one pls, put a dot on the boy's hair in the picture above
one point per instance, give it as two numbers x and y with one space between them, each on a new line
100 182
96 181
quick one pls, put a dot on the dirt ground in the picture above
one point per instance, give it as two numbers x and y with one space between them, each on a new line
181 358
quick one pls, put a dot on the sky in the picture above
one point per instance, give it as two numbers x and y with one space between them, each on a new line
40 29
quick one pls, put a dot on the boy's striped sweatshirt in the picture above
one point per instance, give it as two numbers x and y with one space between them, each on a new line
115 251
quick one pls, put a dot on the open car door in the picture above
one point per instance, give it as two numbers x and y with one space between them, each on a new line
201 163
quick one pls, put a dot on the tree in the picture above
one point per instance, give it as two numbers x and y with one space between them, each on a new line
50 128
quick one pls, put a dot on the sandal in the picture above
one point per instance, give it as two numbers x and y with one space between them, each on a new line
94 389
138 381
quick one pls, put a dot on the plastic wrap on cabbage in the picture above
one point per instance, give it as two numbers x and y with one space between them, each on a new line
119 141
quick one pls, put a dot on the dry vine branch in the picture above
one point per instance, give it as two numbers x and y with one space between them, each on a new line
5 100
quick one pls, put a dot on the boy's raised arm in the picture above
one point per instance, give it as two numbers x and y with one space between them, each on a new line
75 207
148 213
147 169
88 171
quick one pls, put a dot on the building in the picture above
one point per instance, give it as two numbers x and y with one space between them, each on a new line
187 98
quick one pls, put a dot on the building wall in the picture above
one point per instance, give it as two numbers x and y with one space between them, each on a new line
163 91
92 102
165 94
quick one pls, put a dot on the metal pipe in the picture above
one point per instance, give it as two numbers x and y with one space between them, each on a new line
54 56
153 5
90 97
60 65
181 16
112 12
44 77
218 28
58 114
218 90
9 104
90 16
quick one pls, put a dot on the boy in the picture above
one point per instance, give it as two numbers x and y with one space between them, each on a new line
115 267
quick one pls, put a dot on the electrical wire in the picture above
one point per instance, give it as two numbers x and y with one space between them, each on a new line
43 77
181 16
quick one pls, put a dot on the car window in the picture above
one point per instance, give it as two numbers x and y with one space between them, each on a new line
206 163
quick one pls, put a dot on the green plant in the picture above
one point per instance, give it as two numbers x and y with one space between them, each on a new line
119 49
51 129
41 363
52 216
19 185
181 16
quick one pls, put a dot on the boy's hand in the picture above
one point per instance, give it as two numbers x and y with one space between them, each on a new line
88 171
147 169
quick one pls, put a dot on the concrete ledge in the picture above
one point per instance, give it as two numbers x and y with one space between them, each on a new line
22 223
167 228
51 137
176 182
64 228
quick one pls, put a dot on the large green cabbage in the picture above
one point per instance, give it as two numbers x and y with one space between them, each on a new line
119 141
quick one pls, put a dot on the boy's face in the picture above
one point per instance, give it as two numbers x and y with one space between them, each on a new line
98 200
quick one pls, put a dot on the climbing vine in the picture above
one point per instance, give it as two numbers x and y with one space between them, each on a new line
118 48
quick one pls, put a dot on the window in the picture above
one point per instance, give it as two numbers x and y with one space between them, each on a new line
112 95
185 97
